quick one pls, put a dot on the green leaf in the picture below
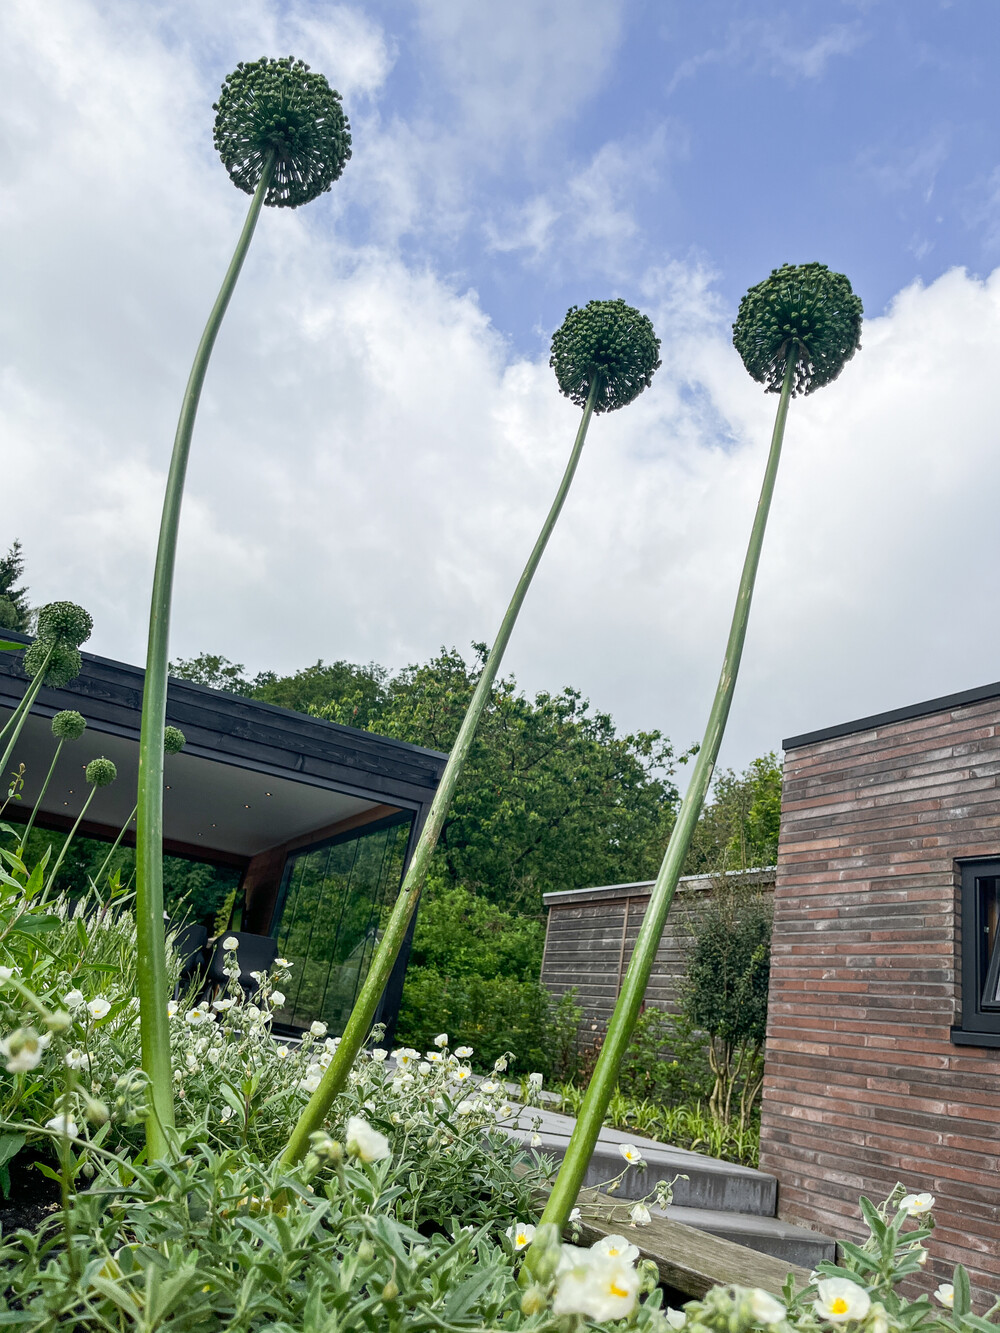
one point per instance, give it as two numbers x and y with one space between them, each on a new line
963 1292
8 646
10 1146
870 1213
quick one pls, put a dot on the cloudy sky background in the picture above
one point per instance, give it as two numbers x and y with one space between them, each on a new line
380 434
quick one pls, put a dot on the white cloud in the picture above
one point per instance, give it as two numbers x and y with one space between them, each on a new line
371 462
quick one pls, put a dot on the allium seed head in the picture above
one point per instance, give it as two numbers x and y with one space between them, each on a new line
609 341
101 772
66 622
173 740
805 304
280 106
69 725
64 664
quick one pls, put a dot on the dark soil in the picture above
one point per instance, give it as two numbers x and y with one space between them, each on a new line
32 1196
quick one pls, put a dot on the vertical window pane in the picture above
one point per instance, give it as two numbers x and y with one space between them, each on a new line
331 922
989 928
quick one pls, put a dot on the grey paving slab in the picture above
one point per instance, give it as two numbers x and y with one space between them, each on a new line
710 1183
768 1235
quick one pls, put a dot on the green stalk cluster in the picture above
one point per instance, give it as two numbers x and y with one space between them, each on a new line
768 326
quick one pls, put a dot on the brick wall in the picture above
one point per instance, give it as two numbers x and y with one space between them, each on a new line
864 1086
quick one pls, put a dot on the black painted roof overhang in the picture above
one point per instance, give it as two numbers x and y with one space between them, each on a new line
251 775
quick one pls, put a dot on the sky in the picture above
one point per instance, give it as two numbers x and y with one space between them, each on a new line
380 434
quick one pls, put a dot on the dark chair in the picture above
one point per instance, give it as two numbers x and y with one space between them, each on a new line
256 953
189 945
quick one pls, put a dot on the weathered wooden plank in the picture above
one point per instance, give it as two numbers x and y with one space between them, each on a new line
692 1261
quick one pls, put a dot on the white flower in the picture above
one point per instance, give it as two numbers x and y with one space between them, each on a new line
282 962
252 1011
172 1007
22 1050
73 999
317 1029
603 1288
917 1204
463 1052
765 1309
281 1052
500 1065
197 1015
220 1006
364 1142
441 1039
423 1067
226 1113
536 1140
520 1234
465 1107
331 1044
946 1294
98 1007
675 1318
379 1054
230 943
404 1055
575 1215
631 1154
489 1086
919 1253
639 1215
616 1247
535 1080
6 973
310 1083
77 1059
63 1124
839 1299
435 1057
460 1073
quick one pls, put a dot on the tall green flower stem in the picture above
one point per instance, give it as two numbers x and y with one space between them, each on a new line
360 1022
67 725
605 1077
100 773
19 716
151 961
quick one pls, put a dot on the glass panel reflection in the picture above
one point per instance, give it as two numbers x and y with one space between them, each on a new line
335 899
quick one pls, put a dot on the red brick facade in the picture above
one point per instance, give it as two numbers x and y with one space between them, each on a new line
864 1086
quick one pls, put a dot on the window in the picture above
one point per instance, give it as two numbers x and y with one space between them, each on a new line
332 906
980 1024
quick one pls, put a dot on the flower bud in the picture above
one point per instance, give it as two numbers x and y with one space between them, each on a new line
60 1021
174 740
533 1300
366 1251
68 725
390 1291
100 772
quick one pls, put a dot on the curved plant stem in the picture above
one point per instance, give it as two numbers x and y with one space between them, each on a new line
114 847
360 1021
19 716
41 795
605 1076
65 847
151 962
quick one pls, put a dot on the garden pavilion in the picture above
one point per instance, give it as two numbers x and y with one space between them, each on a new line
317 820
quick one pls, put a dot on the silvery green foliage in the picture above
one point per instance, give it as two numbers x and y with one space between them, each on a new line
68 725
280 106
62 665
807 305
608 341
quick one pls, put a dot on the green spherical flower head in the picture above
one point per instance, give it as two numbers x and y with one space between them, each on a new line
279 106
173 740
69 725
100 772
609 341
807 305
66 622
64 664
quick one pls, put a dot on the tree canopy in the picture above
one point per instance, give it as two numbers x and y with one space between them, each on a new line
15 613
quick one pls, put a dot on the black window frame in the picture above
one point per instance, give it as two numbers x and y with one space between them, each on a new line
979 1024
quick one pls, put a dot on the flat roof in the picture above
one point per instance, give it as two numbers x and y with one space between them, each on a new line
944 704
251 775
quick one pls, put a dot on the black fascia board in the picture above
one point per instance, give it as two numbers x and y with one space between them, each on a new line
943 704
230 729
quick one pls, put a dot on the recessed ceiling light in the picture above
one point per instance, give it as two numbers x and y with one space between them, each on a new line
246 807
267 793
168 786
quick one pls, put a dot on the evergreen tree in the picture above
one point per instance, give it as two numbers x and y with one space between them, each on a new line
15 613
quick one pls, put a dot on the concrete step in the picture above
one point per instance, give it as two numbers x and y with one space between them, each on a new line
710 1184
783 1240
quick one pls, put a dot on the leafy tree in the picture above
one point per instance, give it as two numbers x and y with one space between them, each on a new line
461 935
15 613
725 993
739 829
218 673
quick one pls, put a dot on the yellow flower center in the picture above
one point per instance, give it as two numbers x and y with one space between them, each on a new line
616 1290
838 1305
